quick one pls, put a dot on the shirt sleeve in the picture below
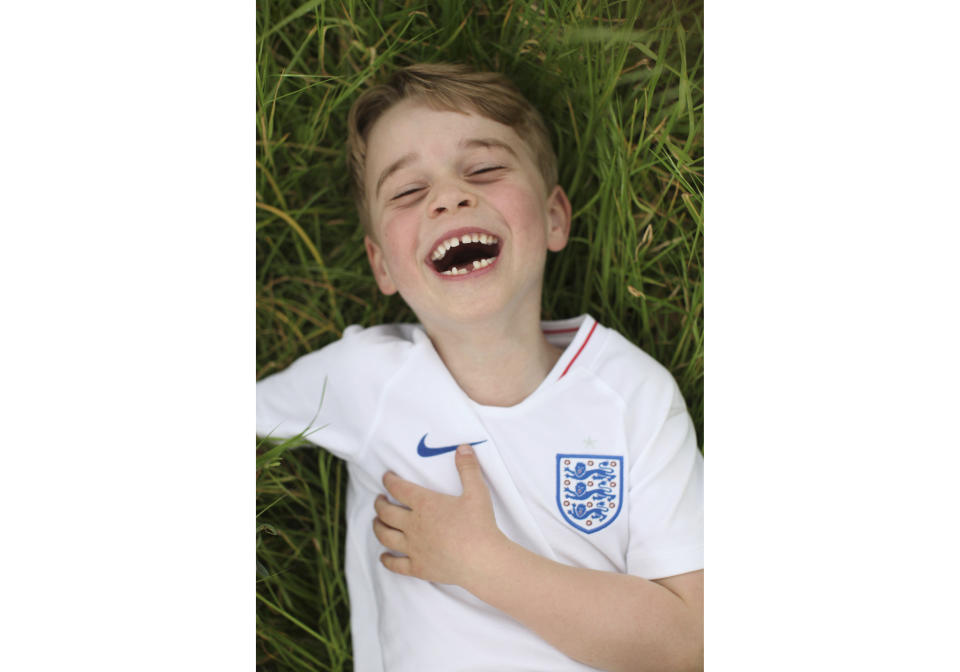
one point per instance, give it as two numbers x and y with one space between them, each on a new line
328 396
665 488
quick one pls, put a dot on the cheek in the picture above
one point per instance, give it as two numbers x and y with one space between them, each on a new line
519 205
399 237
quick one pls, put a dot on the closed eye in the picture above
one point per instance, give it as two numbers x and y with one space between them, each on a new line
478 171
407 193
486 169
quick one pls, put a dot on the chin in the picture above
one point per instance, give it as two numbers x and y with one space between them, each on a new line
463 315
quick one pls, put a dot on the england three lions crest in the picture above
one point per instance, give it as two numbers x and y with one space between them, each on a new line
589 490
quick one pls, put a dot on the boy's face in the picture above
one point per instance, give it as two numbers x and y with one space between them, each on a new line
435 179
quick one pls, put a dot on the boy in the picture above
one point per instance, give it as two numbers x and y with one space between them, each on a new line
577 540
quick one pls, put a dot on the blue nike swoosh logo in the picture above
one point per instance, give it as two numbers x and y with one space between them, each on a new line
424 451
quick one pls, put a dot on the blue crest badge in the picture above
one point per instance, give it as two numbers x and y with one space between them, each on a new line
589 490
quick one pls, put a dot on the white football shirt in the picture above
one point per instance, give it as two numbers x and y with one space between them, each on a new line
597 468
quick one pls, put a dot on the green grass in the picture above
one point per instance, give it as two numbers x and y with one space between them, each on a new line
620 84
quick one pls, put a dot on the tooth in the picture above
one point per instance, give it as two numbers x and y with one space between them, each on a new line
476 264
475 238
453 242
465 238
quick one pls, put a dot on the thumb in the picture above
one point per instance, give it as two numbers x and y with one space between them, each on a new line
469 467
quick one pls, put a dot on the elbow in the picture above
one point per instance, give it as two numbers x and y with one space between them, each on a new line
688 654
677 659
678 650
691 661
687 660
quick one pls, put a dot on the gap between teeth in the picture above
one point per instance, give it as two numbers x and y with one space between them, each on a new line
442 248
480 263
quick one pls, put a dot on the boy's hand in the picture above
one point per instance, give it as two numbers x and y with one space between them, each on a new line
622 622
446 539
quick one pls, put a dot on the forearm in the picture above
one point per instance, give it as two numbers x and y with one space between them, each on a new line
604 619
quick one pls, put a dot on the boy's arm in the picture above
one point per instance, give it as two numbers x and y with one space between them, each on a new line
622 622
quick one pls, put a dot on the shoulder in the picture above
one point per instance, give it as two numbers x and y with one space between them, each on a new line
632 373
364 358
655 416
340 382
382 339
379 348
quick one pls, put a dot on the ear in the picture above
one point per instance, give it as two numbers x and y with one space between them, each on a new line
558 219
379 267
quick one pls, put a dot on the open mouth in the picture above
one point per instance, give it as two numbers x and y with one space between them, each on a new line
459 255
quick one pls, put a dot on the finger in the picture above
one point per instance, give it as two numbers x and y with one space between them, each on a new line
469 467
403 490
396 564
391 514
393 539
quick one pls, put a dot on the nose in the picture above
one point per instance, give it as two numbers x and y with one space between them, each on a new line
450 198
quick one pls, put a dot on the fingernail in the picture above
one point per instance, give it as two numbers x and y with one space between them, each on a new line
465 449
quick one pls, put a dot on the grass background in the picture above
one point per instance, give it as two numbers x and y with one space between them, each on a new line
621 86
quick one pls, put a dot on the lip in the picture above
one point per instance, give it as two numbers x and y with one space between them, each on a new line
458 232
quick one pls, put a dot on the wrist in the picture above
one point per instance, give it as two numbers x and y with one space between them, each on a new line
491 566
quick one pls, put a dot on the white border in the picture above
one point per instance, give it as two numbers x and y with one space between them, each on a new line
831 363
128 253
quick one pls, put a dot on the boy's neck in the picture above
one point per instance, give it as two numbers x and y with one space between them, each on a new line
497 364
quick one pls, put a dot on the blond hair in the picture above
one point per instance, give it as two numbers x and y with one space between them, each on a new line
457 88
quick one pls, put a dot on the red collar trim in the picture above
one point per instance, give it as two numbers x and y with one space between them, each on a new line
582 346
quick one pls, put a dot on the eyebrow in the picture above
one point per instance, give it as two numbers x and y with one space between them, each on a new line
469 143
404 160
487 143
